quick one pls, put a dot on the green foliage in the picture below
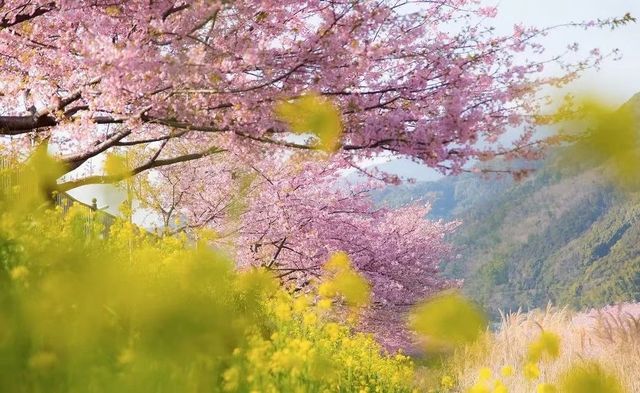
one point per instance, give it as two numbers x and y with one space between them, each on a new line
309 353
134 313
564 235
495 272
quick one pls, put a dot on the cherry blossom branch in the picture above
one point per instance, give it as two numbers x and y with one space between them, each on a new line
16 125
151 164
9 21
75 160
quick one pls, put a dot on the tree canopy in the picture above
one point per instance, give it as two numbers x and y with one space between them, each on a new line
223 104
180 80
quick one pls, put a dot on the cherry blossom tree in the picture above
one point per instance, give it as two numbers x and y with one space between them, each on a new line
230 87
180 80
290 216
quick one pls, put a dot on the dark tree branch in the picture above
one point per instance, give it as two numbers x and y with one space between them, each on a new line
181 125
275 257
7 21
151 140
16 125
75 160
151 164
174 9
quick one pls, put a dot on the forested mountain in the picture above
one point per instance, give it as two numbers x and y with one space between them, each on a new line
563 235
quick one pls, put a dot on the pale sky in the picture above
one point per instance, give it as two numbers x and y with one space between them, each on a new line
616 81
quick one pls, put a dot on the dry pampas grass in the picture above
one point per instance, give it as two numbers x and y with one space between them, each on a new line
501 360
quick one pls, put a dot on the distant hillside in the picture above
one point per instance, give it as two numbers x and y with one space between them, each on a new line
563 235
449 197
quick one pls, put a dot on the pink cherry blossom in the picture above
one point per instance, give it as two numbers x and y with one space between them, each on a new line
290 216
186 90
200 74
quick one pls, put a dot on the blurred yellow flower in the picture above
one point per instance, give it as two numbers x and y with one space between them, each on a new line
43 360
479 388
355 289
344 281
117 166
309 319
327 289
603 134
283 311
231 379
301 303
313 114
499 387
531 371
324 304
484 374
547 345
546 388
19 273
506 371
449 319
338 261
333 330
589 377
447 382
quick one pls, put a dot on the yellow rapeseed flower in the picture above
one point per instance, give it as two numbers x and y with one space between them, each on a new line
479 387
301 303
531 371
547 345
19 273
449 319
338 261
447 382
484 374
313 114
546 388
324 304
333 330
500 387
309 319
589 377
231 378
282 311
327 289
506 371
355 289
